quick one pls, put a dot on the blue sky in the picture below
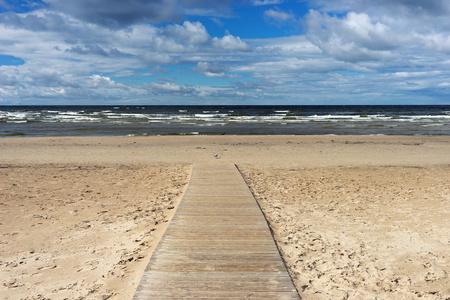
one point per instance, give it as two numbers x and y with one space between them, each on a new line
225 52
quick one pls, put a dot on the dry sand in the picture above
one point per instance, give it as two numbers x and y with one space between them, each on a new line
360 233
357 217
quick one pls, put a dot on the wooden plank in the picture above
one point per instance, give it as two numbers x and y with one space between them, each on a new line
175 293
218 276
218 245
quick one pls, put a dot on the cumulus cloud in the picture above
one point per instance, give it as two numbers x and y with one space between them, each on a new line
353 38
297 46
405 16
63 43
249 85
212 70
95 50
229 42
34 21
191 33
156 58
434 41
376 36
68 53
7 78
98 81
49 77
290 68
172 89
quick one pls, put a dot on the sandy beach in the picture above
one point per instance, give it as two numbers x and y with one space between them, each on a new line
354 217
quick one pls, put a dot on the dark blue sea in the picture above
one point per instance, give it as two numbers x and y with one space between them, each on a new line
34 121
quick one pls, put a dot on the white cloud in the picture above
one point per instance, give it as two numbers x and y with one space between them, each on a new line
397 7
266 2
155 58
229 42
189 33
212 70
7 76
171 88
404 22
58 66
101 81
388 39
354 38
435 41
290 46
62 49
278 15
52 92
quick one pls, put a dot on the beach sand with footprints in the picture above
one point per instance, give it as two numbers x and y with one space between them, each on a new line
354 217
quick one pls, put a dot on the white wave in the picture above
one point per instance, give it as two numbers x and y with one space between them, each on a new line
241 118
71 118
140 116
205 115
179 118
16 121
17 115
350 118
160 117
433 125
68 113
428 117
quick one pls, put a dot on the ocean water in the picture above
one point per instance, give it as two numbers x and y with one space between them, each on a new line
33 121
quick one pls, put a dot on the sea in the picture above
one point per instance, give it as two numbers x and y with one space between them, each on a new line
143 120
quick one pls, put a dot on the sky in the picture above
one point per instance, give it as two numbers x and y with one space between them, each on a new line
219 52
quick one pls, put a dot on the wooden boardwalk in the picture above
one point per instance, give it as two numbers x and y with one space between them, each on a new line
218 245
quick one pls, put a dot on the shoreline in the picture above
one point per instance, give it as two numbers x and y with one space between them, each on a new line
356 216
316 150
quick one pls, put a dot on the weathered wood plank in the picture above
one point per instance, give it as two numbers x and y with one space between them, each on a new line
218 245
